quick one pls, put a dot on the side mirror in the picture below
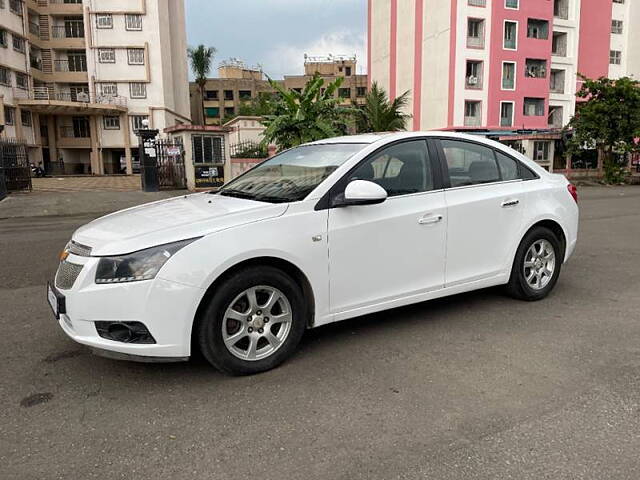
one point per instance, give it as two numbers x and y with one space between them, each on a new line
361 192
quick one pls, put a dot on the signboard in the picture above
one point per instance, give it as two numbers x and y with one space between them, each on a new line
207 176
173 151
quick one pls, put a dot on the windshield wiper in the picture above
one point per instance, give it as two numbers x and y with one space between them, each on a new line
230 192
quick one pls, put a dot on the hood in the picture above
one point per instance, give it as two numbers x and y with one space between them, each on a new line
171 220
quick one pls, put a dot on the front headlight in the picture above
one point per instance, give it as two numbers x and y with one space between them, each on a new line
137 266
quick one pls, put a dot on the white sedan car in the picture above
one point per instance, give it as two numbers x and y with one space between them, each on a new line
317 234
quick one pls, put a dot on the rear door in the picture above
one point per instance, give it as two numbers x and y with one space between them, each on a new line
485 202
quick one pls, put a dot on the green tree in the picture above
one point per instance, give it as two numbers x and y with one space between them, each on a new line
608 120
264 103
378 114
312 114
201 58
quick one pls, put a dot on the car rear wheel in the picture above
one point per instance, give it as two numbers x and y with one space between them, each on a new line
253 322
536 267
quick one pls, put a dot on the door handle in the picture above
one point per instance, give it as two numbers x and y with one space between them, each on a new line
430 219
510 203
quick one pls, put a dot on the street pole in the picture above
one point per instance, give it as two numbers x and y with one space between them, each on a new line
148 158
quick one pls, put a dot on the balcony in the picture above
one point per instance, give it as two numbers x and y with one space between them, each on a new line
55 102
71 29
34 28
60 7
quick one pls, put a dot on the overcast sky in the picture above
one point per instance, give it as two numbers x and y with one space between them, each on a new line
277 33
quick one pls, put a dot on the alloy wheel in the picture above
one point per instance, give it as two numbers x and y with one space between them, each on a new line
539 264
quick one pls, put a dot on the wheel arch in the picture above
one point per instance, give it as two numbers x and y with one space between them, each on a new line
285 265
557 230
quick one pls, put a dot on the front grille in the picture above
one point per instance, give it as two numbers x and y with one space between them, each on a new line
67 274
79 249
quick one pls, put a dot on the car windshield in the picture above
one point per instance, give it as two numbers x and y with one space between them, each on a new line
291 175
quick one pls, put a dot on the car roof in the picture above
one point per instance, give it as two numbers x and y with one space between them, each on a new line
369 138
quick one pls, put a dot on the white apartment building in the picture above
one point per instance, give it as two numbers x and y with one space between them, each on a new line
78 77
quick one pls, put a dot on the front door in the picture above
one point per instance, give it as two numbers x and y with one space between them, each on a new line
485 211
379 253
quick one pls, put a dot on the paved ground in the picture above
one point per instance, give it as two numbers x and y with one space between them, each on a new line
116 183
477 386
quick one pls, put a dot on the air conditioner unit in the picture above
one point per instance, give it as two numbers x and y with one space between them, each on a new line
472 80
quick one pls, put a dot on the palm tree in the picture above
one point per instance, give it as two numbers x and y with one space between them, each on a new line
378 114
312 114
201 58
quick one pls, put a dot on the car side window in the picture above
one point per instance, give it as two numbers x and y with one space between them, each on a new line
400 169
508 167
470 163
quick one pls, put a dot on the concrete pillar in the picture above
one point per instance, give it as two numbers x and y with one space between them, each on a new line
53 145
97 166
124 126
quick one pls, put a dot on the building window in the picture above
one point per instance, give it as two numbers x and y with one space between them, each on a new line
475 33
136 121
244 94
508 76
615 57
477 3
212 112
535 68
228 94
512 4
538 29
104 20
618 1
229 111
26 118
16 6
616 26
533 107
557 81
540 151
556 116
208 149
112 122
510 35
109 89
211 94
135 56
133 22
106 55
347 71
344 92
18 44
9 115
559 44
5 77
472 110
22 81
561 9
361 91
473 78
138 90
506 114
3 38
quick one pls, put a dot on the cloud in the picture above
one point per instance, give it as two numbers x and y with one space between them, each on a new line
287 59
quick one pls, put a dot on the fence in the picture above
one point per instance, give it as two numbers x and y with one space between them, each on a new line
248 149
15 172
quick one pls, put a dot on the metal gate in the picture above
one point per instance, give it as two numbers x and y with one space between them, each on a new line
15 172
170 161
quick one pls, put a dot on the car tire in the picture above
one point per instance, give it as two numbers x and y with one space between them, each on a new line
263 335
530 279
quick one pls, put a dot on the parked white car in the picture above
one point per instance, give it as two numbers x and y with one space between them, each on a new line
320 233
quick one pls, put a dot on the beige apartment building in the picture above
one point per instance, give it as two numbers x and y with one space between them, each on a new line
238 83
78 78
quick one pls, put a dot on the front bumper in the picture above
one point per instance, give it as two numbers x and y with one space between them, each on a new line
166 308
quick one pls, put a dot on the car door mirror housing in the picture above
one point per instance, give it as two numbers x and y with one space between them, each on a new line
361 192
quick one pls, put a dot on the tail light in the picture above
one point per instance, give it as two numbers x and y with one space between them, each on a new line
573 191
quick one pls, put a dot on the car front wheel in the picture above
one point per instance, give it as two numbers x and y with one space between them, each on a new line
536 267
253 322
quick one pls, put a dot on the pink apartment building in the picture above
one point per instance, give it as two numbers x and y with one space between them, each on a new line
498 64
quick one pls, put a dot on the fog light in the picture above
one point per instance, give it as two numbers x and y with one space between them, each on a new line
125 332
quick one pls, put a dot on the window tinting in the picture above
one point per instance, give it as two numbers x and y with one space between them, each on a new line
469 163
400 169
508 167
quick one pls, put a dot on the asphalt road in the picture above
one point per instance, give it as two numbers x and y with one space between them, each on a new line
473 386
